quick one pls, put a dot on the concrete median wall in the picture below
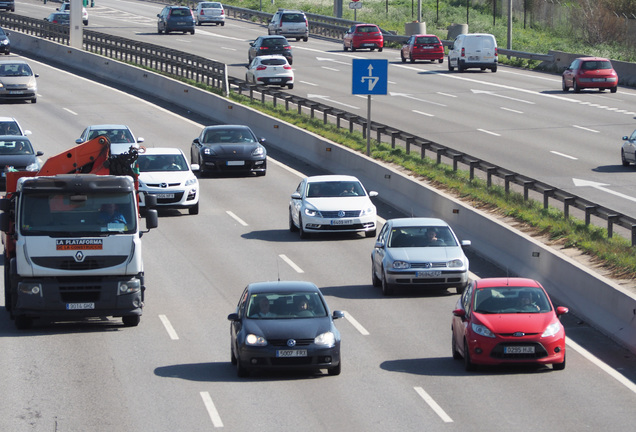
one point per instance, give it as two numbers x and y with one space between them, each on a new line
595 299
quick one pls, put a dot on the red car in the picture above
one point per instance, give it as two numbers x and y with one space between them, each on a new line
423 47
590 72
363 36
507 320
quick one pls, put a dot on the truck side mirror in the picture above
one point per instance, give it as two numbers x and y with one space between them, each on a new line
152 219
5 222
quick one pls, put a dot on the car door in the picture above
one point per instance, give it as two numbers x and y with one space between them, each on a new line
453 52
407 47
460 324
297 203
379 249
273 24
630 148
570 72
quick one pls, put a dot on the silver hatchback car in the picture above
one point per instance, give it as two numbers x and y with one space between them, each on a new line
210 13
17 81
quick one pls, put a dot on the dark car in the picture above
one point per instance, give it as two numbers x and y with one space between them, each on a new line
229 149
422 47
590 72
17 154
268 45
62 18
175 18
284 325
363 36
5 43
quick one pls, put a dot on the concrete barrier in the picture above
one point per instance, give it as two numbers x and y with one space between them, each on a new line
595 299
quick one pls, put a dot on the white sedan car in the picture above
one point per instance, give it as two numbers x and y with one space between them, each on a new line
421 253
332 203
270 70
120 136
165 173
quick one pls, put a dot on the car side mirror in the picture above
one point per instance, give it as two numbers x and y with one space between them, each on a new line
233 317
295 196
461 313
152 219
625 138
262 140
39 153
466 243
373 194
196 141
561 310
338 314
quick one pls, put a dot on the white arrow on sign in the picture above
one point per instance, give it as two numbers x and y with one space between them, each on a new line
502 96
371 80
314 96
600 186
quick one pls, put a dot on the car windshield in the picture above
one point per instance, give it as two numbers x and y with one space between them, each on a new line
334 189
9 128
162 162
421 236
223 136
511 300
274 42
182 12
274 62
594 65
288 305
15 147
15 69
293 17
210 5
367 29
426 40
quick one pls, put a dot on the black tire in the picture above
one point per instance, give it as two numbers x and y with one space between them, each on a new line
131 320
456 354
290 86
375 280
379 49
403 59
468 364
192 31
303 234
23 322
198 23
441 60
34 100
232 356
371 233
336 369
624 161
577 89
298 39
292 226
559 366
460 289
460 68
387 288
564 86
345 48
194 210
612 90
222 24
352 49
159 30
450 68
411 59
305 39
493 69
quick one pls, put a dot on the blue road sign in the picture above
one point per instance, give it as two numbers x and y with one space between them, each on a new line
369 77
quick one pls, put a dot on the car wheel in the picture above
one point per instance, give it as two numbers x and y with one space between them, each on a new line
460 68
456 354
387 289
232 356
303 234
192 31
305 39
493 69
403 59
460 289
23 322
624 161
468 364
450 68
34 100
290 86
241 371
371 49
292 226
131 320
370 233
411 59
612 90
194 210
7 53
375 280
441 60
345 48
335 370
379 49
298 39
559 366
577 89
222 24
564 86
159 30
352 48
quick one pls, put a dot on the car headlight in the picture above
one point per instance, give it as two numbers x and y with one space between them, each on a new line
1 85
552 329
252 339
311 212
129 287
33 166
32 85
455 263
258 151
401 265
482 330
325 339
191 181
367 211
208 151
4 42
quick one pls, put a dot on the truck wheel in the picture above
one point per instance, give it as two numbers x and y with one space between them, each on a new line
23 322
7 284
131 320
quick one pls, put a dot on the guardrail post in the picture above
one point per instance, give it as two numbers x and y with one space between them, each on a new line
588 213
546 197
489 172
338 117
610 224
526 187
380 130
393 135
408 145
456 159
633 235
507 178
439 152
473 164
566 206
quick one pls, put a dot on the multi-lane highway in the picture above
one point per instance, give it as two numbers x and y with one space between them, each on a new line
172 373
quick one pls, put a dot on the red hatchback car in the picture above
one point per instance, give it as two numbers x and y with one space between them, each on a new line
507 320
423 47
363 36
590 72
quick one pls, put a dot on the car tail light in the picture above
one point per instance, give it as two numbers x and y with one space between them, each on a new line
281 24
202 12
496 53
263 48
223 12
464 52
287 47
261 67
288 67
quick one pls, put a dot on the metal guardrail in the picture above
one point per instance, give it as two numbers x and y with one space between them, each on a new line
201 70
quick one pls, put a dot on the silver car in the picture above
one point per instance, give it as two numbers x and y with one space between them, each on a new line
17 81
628 151
120 136
210 13
418 252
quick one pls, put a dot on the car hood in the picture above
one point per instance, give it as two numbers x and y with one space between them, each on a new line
233 149
339 203
516 322
17 160
17 80
425 254
297 328
164 176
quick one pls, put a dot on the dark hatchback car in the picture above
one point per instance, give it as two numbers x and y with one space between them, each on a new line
284 325
5 43
62 18
175 18
268 45
16 153
229 149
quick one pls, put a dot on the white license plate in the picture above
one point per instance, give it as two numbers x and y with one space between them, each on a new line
598 79
274 80
291 353
235 163
342 222
425 274
519 350
368 45
473 58
165 195
80 306
16 92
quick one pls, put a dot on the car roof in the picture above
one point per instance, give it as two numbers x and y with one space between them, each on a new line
593 59
417 221
326 178
161 151
272 56
5 119
511 282
13 62
426 35
14 138
273 37
282 287
226 127
108 126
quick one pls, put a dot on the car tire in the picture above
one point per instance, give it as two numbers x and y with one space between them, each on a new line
380 49
564 86
624 161
375 280
371 233
241 371
222 24
34 100
232 356
493 69
194 210
460 68
450 68
292 225
23 322
403 58
612 90
468 363
441 60
290 86
131 320
301 231
7 53
559 366
336 369
159 30
305 39
387 289
411 59
456 354
575 84
345 48
192 31
460 289
352 49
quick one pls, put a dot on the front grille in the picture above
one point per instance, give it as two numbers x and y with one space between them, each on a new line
283 342
340 227
335 215
158 185
89 263
428 265
80 294
539 351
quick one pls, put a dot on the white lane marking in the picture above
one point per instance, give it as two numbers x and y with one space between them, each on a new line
584 128
601 187
408 96
308 83
502 96
69 111
447 94
356 324
602 365
331 69
512 110
488 132
291 263
236 218
434 406
209 405
166 323
564 155
423 113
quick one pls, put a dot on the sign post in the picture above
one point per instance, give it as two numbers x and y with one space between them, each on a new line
369 77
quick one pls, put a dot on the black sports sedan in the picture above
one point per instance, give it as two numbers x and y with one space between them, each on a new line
17 154
284 325
269 45
229 149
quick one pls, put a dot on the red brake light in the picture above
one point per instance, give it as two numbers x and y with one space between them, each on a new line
463 52
287 47
202 12
261 67
264 48
223 12
496 53
288 67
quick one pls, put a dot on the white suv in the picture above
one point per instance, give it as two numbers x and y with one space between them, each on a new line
66 7
289 23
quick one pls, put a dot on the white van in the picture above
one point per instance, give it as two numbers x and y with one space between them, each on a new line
473 50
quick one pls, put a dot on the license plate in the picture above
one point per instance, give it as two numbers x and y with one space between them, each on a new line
80 306
473 58
165 195
598 79
368 45
519 350
425 274
274 80
235 163
291 353
342 222
16 92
